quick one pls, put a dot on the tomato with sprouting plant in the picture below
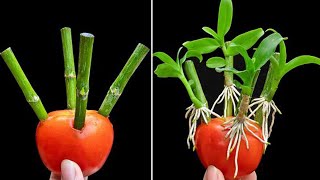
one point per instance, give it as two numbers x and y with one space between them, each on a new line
235 140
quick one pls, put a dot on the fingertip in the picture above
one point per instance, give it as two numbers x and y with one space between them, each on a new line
212 173
68 170
251 176
67 164
54 177
71 171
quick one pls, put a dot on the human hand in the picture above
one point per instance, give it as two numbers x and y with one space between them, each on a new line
69 171
213 173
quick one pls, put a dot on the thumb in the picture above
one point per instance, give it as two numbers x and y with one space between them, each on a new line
70 171
213 173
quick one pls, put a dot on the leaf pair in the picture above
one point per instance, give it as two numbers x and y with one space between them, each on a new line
174 69
224 17
209 45
171 68
260 57
281 67
239 44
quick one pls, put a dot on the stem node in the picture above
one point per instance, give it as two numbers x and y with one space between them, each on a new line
31 97
69 69
121 81
85 56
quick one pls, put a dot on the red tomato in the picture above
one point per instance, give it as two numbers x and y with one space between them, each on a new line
57 140
211 148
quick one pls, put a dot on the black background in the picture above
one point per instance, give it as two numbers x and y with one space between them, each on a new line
33 33
295 132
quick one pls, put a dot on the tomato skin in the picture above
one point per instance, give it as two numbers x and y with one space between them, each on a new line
211 148
57 140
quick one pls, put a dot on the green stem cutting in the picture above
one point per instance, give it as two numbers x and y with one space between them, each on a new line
197 103
29 93
192 75
85 56
121 81
69 69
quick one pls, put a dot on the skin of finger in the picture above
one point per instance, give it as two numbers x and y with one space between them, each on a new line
58 177
78 172
213 173
69 171
54 177
252 176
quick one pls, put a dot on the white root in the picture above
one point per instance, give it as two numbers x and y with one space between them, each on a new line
268 107
236 132
193 114
228 93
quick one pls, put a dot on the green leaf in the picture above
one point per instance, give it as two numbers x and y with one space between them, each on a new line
299 61
203 45
193 53
215 62
225 17
244 54
228 69
244 75
247 90
246 40
166 59
165 71
178 55
283 54
212 33
189 54
237 83
275 59
266 49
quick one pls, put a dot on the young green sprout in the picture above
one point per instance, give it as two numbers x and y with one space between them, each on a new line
264 105
177 69
230 94
237 125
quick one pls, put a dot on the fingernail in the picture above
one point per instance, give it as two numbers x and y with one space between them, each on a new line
68 171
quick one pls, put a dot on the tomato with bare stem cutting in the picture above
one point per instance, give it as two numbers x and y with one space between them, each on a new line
57 140
81 135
